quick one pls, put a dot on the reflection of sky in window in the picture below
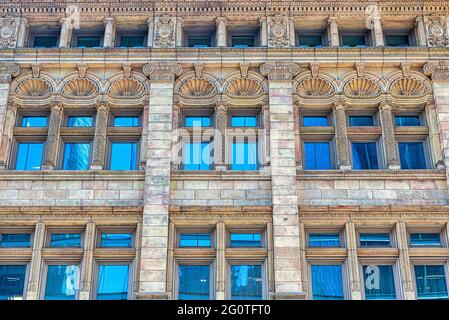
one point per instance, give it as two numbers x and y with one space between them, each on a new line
29 156
324 240
327 282
244 156
314 121
194 282
116 240
425 239
317 156
246 240
62 282
15 240
113 282
246 282
126 121
243 121
65 240
12 281
361 121
364 155
123 156
197 121
194 240
196 156
34 121
76 121
374 240
412 155
76 156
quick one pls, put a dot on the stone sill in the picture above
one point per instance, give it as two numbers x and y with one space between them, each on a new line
90 175
221 175
437 174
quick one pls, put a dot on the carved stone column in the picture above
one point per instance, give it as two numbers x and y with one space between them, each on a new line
32 289
22 36
144 141
421 37
220 291
175 159
221 117
266 128
263 32
150 22
389 140
154 250
52 145
286 250
221 31
405 266
66 33
341 138
88 262
434 135
353 264
332 29
298 153
99 144
376 32
179 32
109 32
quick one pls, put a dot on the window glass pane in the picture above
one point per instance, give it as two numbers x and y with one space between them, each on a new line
76 156
113 282
88 42
246 282
199 41
79 121
246 240
131 41
412 155
397 41
242 41
425 240
65 240
29 156
126 121
407 121
314 121
194 240
327 282
123 156
364 156
317 156
379 282
324 240
45 42
244 156
374 240
32 121
354 41
197 156
12 281
197 121
361 121
62 282
194 282
116 240
431 282
15 240
244 121
310 41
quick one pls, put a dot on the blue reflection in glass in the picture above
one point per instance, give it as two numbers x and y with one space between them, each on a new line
244 156
29 156
431 282
65 240
132 42
88 42
246 282
12 281
379 282
76 156
364 156
244 121
412 155
116 240
327 282
246 240
125 121
197 121
34 121
80 121
374 240
425 240
314 121
361 121
113 282
411 121
194 282
243 41
324 240
62 282
123 156
194 240
197 156
45 42
15 240
353 41
317 156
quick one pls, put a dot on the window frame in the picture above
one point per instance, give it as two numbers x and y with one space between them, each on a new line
426 148
300 33
244 262
56 262
379 153
64 230
111 261
196 229
121 34
254 229
15 149
318 139
19 262
122 139
87 33
339 232
64 140
365 34
399 32
115 229
382 262
189 262
329 262
414 263
19 230
33 34
391 235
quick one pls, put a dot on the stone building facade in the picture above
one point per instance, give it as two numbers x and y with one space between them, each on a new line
328 189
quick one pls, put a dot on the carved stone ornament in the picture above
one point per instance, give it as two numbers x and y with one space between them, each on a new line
407 88
361 88
164 32
197 88
126 88
278 35
80 88
438 70
315 88
162 71
436 28
9 29
34 88
244 88
8 71
279 70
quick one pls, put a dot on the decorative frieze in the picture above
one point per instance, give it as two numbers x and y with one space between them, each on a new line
279 70
162 71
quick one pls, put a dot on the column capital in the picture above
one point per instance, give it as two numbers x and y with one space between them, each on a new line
279 70
109 20
162 71
221 106
332 19
385 105
339 106
67 21
56 105
8 71
430 104
150 21
438 70
221 20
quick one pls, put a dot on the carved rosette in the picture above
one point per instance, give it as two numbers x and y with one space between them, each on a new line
436 28
9 29
278 32
162 71
164 32
8 71
279 70
438 70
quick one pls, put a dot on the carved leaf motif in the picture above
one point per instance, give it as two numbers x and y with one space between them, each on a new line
34 88
361 88
407 87
126 88
197 88
80 88
315 88
244 88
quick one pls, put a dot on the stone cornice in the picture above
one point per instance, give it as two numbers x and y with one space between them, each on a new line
372 175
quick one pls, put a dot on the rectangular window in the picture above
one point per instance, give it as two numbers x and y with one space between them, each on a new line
33 121
375 240
310 41
58 240
379 282
194 282
329 240
120 121
425 240
197 121
12 281
62 282
80 121
315 121
45 42
243 41
317 156
327 282
396 40
353 40
239 240
15 240
123 156
244 121
29 155
361 121
116 240
407 121
244 156
132 41
431 282
113 282
88 41
412 155
197 156
246 282
364 156
195 240
76 156
199 41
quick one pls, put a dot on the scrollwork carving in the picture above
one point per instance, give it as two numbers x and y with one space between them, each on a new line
279 70
162 71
